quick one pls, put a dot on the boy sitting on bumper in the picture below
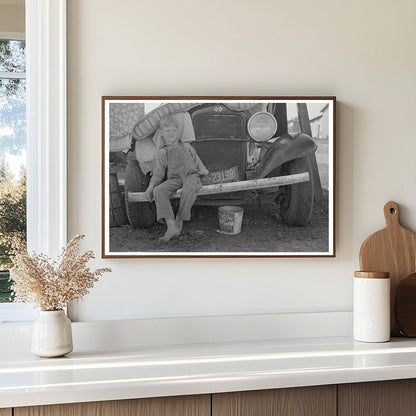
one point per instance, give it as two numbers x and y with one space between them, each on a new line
183 168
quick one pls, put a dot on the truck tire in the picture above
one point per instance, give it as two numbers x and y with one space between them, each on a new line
296 205
139 214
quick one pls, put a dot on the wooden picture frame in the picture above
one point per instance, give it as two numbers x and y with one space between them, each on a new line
273 157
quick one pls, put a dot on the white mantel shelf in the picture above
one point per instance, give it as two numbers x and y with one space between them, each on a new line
151 371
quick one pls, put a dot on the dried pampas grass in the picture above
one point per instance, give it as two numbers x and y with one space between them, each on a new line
53 285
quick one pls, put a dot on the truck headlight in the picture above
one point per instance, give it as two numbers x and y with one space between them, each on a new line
262 126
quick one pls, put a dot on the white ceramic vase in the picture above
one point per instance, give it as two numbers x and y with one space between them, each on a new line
52 334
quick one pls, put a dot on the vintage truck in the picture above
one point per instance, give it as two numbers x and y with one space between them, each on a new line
247 149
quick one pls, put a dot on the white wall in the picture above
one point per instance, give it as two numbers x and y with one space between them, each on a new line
361 51
12 17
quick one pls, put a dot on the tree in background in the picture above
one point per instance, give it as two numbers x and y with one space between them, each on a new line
12 223
12 143
12 213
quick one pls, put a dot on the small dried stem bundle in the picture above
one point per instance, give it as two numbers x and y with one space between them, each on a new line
53 285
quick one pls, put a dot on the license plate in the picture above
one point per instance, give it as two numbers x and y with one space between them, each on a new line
228 175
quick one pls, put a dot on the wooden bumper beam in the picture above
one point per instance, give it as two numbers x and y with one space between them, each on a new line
220 188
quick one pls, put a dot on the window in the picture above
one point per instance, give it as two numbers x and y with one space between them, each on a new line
12 154
12 164
46 135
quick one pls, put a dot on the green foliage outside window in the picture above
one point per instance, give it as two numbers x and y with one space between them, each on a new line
12 145
12 224
6 294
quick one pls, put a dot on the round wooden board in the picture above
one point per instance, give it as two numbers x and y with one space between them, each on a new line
405 306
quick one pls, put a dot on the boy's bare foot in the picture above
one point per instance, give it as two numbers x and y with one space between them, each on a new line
171 232
179 223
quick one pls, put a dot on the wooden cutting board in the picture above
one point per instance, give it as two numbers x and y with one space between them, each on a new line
393 250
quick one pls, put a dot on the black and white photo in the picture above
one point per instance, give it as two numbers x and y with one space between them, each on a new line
218 176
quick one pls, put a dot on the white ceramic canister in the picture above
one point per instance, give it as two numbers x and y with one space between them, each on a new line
371 310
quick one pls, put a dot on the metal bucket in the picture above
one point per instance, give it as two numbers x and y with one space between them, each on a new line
230 219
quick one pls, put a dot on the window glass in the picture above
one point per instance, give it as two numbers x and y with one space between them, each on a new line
12 156
12 56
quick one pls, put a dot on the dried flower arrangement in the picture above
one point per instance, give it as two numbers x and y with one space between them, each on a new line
53 285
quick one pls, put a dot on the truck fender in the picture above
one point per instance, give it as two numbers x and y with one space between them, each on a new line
284 149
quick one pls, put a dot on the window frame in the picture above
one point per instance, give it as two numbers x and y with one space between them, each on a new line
46 138
46 125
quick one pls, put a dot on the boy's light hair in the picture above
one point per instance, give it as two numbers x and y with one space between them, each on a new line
168 121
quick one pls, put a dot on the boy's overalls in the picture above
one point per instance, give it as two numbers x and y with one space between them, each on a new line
181 163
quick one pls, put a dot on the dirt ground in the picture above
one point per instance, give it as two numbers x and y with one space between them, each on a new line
262 229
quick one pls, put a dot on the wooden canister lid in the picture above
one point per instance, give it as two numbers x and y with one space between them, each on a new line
372 275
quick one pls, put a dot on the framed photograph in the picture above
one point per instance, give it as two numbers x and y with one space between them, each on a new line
218 176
